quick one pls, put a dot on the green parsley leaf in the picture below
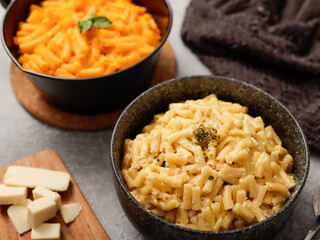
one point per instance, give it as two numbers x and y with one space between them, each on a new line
85 25
93 21
101 22
92 12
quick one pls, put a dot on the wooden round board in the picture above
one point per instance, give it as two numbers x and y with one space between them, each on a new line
29 97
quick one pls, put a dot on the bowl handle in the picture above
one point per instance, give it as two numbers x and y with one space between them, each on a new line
5 3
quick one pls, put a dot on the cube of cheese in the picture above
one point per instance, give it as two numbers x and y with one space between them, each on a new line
40 192
41 210
12 195
18 217
33 177
46 231
70 211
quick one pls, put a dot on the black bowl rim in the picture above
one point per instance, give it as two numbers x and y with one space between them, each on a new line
15 61
255 226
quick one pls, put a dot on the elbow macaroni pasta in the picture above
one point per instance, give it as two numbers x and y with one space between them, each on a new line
50 41
242 177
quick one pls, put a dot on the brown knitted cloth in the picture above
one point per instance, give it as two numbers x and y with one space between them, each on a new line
273 44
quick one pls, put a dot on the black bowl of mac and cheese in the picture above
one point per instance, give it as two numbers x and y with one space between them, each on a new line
208 157
93 93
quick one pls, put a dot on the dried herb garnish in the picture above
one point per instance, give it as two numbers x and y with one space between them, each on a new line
163 164
93 21
210 177
204 136
248 194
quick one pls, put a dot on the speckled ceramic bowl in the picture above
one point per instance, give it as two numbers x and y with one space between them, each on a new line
156 100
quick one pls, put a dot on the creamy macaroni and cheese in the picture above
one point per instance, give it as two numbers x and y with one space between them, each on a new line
206 164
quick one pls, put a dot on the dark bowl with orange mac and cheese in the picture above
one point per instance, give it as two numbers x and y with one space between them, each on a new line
88 95
156 100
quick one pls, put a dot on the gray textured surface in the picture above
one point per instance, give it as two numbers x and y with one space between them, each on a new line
86 154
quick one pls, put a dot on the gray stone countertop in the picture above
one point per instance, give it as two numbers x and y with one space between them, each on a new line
86 154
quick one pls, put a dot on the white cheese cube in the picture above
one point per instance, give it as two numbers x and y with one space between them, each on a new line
18 217
33 177
46 231
12 195
40 192
70 211
41 210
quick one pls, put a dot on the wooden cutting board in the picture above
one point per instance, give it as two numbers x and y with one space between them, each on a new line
86 226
